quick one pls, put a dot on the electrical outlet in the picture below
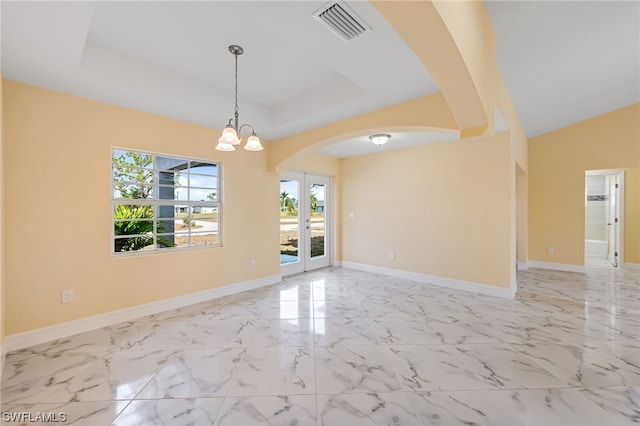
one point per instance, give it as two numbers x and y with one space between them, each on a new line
67 295
253 263
550 250
392 255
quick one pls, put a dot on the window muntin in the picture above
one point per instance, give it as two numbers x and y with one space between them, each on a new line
162 202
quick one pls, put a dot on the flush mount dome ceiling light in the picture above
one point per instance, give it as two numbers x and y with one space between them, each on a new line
230 139
380 139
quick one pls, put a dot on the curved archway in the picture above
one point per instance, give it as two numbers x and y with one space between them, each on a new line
428 113
357 143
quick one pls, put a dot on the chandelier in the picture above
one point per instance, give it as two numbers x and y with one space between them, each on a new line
230 139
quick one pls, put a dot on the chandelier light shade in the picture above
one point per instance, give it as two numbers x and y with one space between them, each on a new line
380 139
230 139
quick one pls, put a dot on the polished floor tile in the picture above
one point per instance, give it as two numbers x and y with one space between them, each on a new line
283 370
461 408
556 407
195 373
343 347
430 368
354 369
297 410
178 412
503 366
344 331
365 409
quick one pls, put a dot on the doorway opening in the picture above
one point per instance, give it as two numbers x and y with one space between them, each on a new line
304 222
603 217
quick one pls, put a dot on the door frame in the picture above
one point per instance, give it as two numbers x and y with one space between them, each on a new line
305 262
619 173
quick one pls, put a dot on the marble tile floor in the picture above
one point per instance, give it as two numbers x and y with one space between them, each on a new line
344 347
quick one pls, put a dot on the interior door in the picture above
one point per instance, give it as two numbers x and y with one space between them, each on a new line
613 220
304 222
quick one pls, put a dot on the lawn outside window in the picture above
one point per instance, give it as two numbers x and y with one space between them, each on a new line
163 202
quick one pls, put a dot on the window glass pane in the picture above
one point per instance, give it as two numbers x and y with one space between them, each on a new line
123 158
171 192
203 168
204 212
166 226
164 241
174 193
132 191
181 179
172 178
203 181
133 175
204 238
123 244
204 225
181 211
203 194
182 226
171 164
132 227
130 211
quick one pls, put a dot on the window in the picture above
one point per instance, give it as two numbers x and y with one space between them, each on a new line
163 202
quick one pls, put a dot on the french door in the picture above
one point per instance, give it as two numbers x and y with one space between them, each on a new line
304 222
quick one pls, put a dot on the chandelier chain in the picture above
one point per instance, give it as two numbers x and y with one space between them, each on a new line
236 108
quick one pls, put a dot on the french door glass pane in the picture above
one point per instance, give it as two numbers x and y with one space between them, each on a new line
289 221
317 219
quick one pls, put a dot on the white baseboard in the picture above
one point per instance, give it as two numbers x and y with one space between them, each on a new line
631 266
29 338
556 266
336 263
522 266
470 286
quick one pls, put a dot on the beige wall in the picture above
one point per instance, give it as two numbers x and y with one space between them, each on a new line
57 201
2 253
557 164
443 208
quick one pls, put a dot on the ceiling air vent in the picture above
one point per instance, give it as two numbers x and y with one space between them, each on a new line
341 20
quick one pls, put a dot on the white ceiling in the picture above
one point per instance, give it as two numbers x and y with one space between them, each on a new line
562 62
567 61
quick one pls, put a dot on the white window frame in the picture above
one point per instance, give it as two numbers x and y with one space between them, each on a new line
157 202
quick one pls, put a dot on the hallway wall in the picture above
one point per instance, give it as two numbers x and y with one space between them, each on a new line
557 164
